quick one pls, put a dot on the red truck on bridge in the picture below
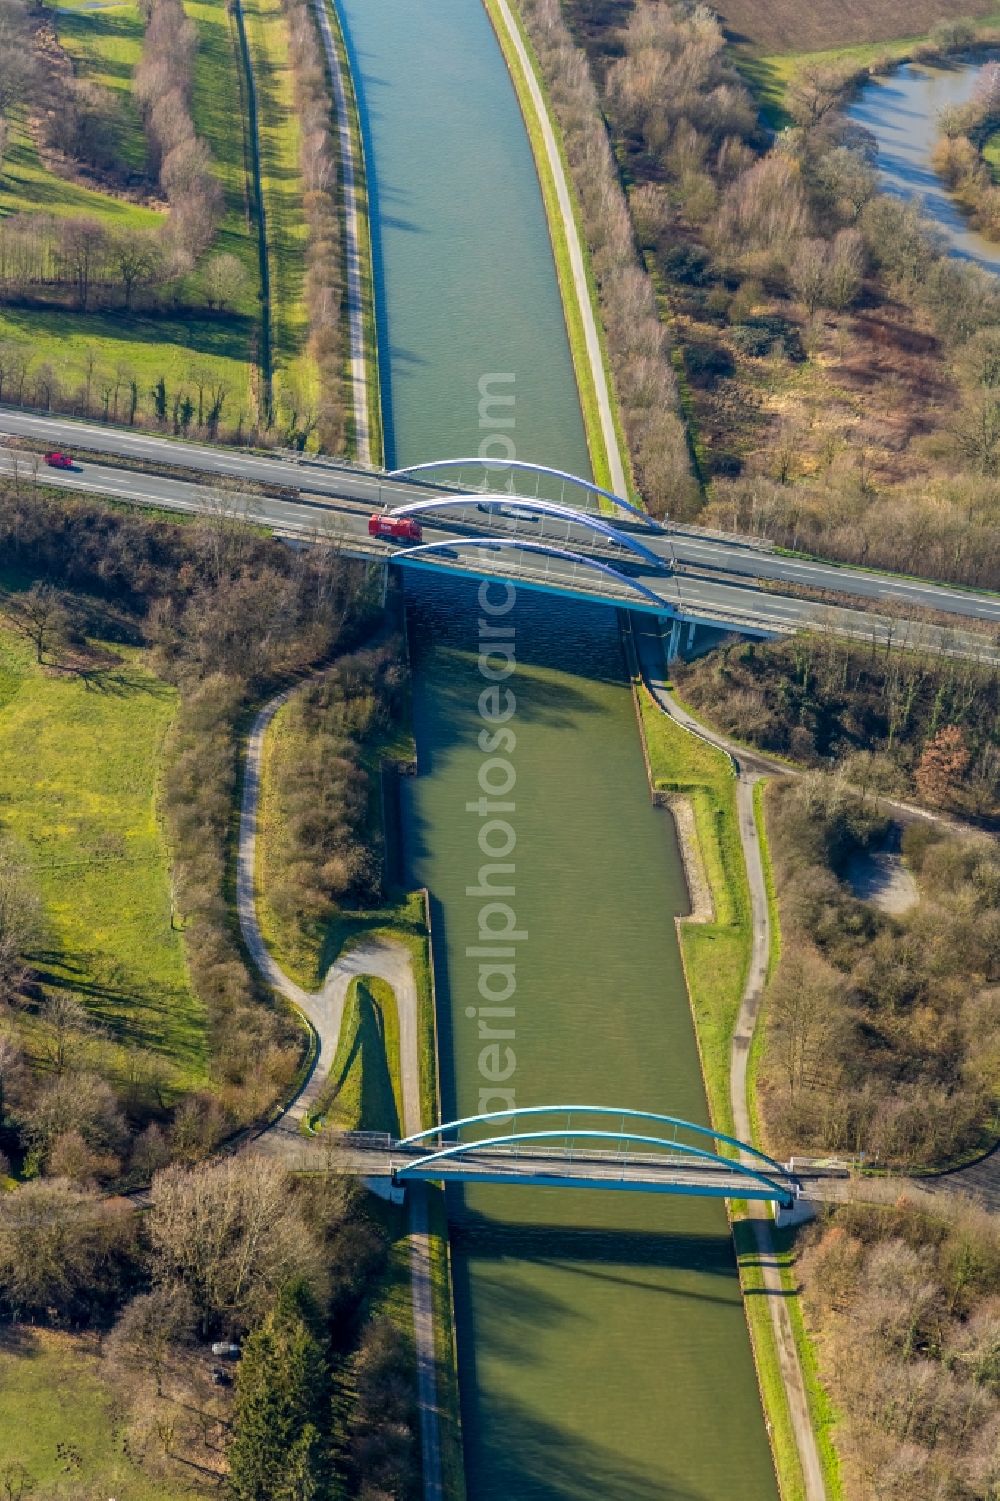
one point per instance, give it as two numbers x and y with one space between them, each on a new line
394 528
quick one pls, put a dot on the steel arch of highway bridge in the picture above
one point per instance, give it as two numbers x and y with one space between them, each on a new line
542 471
497 544
540 508
763 1172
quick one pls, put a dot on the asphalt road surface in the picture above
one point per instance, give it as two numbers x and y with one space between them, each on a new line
701 578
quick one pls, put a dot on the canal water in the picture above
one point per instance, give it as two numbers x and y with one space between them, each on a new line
901 111
603 1349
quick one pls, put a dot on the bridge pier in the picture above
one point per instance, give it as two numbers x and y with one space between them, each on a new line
674 640
799 1213
386 1188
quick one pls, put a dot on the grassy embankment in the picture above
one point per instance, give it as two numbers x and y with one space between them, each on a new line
294 372
363 1090
79 761
365 1083
375 430
716 956
105 44
60 1416
560 248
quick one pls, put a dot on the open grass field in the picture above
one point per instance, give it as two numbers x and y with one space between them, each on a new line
79 762
63 1417
790 26
287 235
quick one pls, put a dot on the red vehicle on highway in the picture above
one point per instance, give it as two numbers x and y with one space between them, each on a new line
58 460
394 528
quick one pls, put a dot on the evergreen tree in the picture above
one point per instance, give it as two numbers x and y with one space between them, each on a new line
278 1450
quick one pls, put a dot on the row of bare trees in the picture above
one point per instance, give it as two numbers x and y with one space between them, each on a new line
195 402
17 64
324 282
164 81
638 342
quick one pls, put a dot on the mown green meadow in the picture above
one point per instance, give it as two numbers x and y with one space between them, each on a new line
79 765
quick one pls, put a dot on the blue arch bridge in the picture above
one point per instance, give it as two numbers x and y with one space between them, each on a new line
543 529
580 1146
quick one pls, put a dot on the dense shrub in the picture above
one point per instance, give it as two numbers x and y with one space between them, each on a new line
875 1024
326 845
768 334
905 1302
822 699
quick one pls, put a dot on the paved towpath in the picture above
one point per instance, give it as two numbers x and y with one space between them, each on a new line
581 290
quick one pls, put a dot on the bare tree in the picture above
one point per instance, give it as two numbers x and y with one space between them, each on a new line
11 1070
66 1026
224 280
39 615
138 260
814 92
59 1242
84 247
152 1326
232 1234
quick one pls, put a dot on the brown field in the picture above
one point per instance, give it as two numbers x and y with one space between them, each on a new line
795 26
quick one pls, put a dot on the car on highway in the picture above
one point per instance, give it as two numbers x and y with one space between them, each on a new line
394 528
59 460
515 513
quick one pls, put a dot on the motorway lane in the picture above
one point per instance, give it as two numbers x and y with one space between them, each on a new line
217 463
884 588
709 598
330 479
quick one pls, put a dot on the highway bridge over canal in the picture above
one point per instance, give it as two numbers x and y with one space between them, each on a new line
522 523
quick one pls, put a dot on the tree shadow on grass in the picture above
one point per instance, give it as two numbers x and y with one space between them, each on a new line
366 1066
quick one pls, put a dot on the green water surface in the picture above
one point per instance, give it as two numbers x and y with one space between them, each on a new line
603 1348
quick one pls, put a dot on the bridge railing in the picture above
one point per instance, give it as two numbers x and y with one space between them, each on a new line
564 1128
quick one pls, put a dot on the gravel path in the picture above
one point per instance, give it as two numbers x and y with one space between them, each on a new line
325 1012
